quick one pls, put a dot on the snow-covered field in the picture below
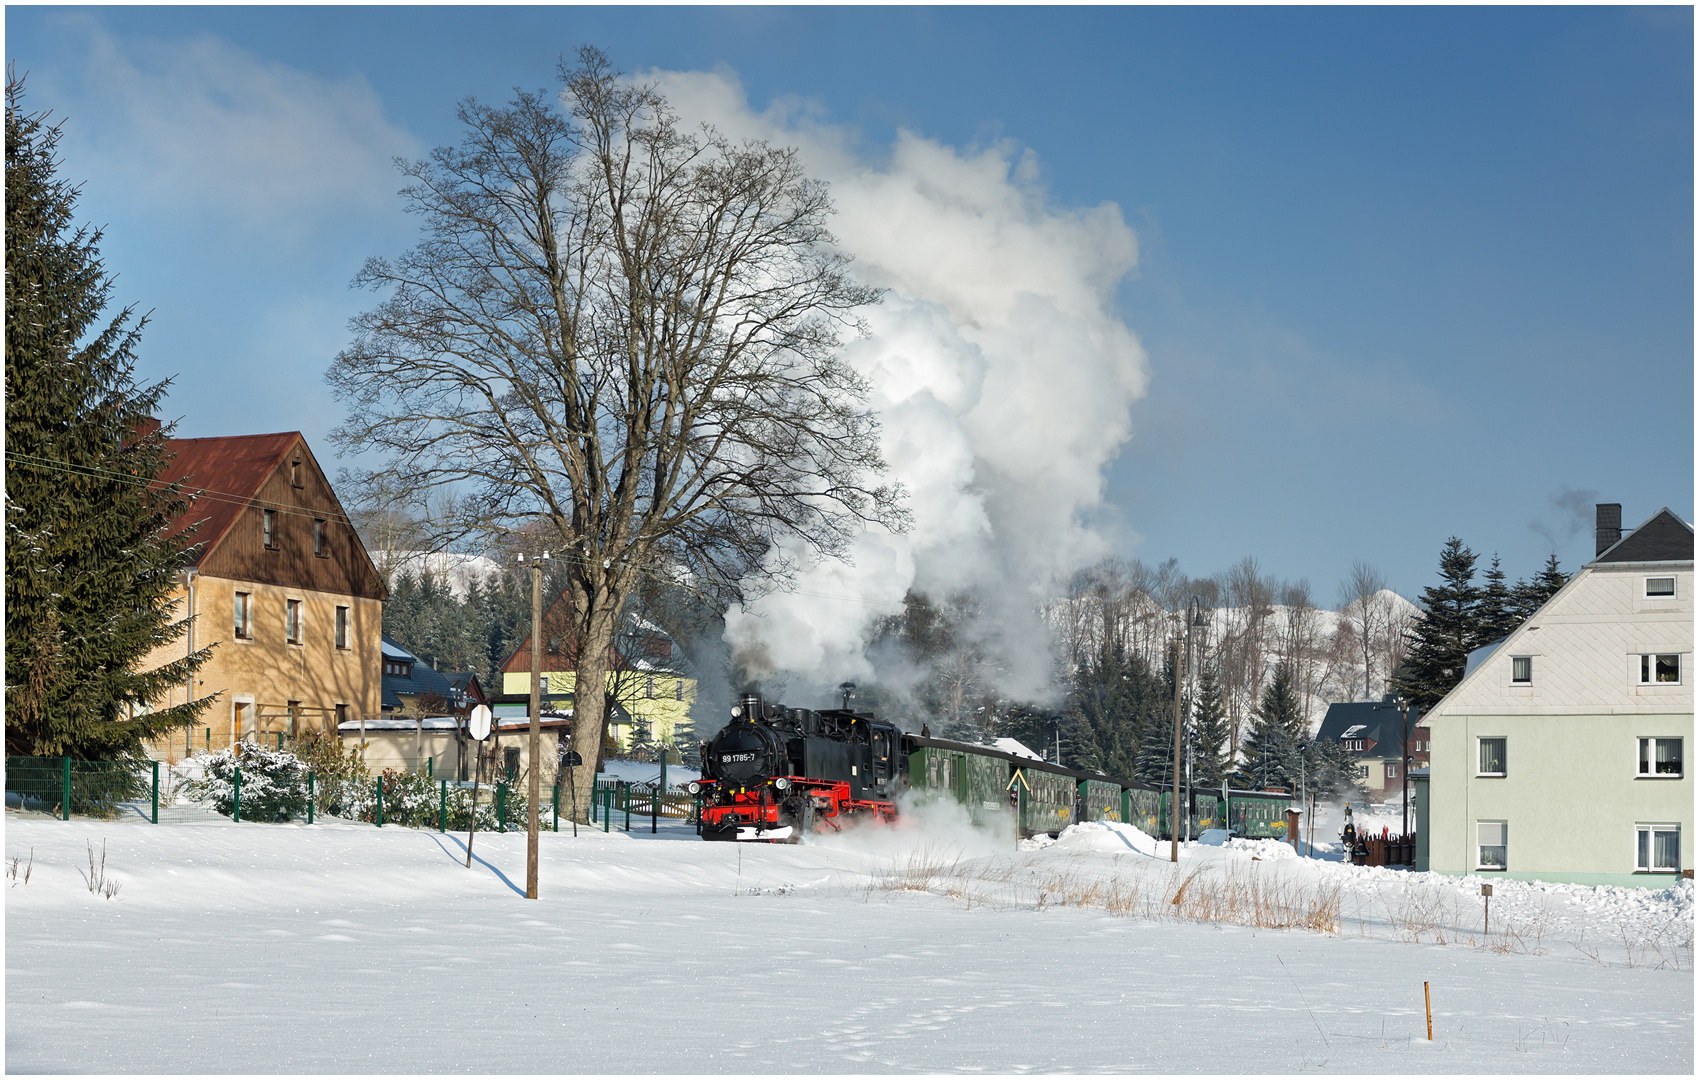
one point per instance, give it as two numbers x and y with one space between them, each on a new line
344 948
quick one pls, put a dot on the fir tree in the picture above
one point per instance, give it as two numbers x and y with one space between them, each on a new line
1209 729
1276 737
90 569
1449 628
1527 597
1496 612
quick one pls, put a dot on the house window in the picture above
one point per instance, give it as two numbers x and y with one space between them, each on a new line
1660 757
1522 669
341 715
295 473
1490 845
1657 849
1362 772
1392 770
1660 586
320 548
678 690
269 527
543 688
1492 757
1660 668
292 621
244 615
341 627
649 687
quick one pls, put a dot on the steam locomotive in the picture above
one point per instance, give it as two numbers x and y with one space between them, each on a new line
776 774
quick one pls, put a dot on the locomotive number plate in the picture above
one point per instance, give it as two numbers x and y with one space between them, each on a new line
737 757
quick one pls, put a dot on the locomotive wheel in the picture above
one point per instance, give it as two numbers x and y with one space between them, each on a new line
797 812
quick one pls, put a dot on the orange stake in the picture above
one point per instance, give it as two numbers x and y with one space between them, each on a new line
1428 1001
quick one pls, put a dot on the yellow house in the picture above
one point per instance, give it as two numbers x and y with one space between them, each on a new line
646 678
282 589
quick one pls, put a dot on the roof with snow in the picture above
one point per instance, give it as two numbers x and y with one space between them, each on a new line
1015 747
1479 656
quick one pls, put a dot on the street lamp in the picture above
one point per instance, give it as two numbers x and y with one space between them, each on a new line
533 789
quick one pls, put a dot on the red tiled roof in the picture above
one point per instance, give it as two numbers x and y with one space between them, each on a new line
226 472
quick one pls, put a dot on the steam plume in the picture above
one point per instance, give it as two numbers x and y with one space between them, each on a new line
1002 373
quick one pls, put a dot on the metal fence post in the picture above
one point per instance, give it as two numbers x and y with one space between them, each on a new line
209 740
156 793
655 811
501 807
236 803
607 807
65 799
442 811
380 802
312 797
625 793
595 798
557 806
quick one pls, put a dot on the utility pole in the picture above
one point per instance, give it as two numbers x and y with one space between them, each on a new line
1194 618
534 792
1174 816
1404 768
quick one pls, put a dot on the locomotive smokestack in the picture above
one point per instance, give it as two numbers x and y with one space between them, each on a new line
849 695
752 706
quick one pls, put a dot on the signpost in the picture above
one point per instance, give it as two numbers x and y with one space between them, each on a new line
478 727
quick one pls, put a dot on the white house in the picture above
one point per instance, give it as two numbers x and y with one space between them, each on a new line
1561 755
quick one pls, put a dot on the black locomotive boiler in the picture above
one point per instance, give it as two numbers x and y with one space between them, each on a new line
777 774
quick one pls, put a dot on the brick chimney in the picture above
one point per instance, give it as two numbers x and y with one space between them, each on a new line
1607 526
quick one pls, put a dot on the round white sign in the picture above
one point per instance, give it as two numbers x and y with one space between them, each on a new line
479 725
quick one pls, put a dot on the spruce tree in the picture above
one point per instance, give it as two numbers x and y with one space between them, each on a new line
1527 597
90 569
1449 628
1209 729
1496 613
1276 736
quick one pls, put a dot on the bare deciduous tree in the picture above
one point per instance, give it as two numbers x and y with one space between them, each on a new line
1359 597
628 332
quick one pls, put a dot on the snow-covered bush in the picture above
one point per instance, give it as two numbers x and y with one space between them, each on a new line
416 800
274 782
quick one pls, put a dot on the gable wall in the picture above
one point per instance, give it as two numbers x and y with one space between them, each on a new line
242 555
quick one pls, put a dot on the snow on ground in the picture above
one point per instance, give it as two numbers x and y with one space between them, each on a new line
341 947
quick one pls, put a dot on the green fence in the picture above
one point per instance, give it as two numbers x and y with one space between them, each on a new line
61 787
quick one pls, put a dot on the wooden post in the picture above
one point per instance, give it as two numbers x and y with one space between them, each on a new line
1428 1003
1486 909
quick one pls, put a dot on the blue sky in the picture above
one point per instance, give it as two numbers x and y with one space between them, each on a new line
1402 273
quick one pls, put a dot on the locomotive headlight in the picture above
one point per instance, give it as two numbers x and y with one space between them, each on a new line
782 783
737 711
693 787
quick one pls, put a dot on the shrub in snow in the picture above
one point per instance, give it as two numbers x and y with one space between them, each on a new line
339 775
417 800
274 783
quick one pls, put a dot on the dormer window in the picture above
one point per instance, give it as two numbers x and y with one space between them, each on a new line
402 669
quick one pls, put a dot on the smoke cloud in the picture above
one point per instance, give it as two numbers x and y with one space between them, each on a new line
1002 373
1572 512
